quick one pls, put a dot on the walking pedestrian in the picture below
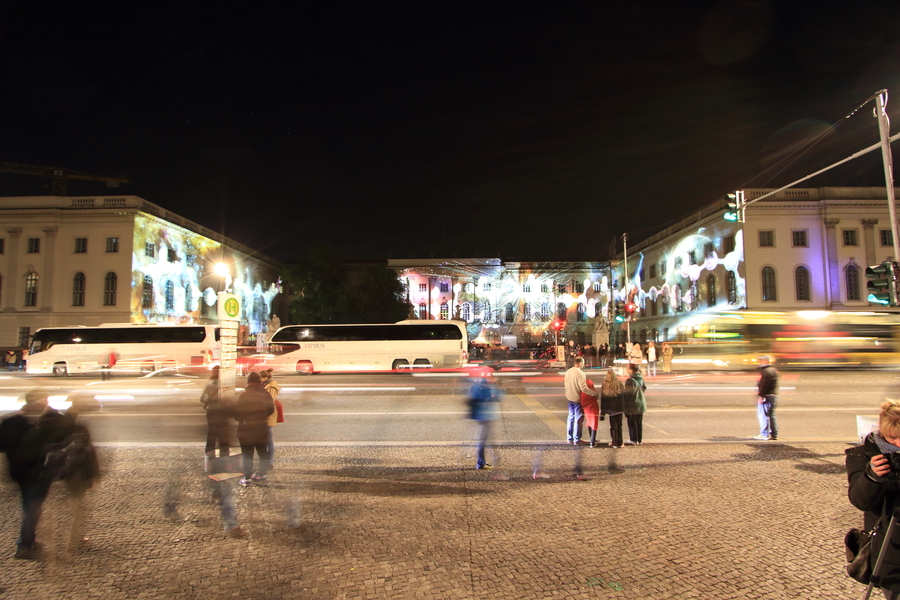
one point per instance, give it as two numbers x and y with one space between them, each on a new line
218 415
23 362
651 359
10 360
767 389
635 355
589 354
576 384
482 400
635 405
591 409
873 490
667 354
274 389
253 407
612 404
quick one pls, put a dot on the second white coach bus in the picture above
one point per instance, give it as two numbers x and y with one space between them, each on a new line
138 348
406 345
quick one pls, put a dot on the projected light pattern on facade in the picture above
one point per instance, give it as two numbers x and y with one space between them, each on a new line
173 279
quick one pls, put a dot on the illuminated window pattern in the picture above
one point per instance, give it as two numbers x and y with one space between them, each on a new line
445 311
711 291
423 311
731 283
147 293
170 296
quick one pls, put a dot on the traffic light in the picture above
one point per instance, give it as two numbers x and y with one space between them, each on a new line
735 204
618 317
630 307
557 325
882 284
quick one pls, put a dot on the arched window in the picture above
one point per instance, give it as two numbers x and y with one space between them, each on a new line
31 289
801 283
654 307
545 311
526 310
423 311
78 289
170 296
581 313
467 312
510 313
110 283
851 277
665 303
147 293
445 311
769 290
711 291
486 315
731 282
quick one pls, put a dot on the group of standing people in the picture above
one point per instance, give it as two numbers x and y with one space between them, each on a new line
257 411
614 399
15 360
653 355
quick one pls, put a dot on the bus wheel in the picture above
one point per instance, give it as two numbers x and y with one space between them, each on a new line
400 364
304 367
60 370
147 367
424 362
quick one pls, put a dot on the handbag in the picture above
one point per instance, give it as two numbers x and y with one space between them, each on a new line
279 409
858 545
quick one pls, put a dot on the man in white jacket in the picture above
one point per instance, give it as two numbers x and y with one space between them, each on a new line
576 383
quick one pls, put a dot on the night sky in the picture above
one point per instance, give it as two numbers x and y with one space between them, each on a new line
397 130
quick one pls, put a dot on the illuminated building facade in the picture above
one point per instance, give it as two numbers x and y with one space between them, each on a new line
92 260
511 303
800 249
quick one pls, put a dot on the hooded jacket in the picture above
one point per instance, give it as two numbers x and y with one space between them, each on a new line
635 401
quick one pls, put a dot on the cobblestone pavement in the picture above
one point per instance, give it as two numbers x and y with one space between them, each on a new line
725 520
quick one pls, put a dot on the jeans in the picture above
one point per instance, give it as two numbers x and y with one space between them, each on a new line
765 413
247 453
651 368
484 430
636 427
615 429
574 422
270 445
33 495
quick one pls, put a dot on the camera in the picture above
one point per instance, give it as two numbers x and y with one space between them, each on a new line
894 460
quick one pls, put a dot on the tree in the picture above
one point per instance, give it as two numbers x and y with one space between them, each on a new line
332 293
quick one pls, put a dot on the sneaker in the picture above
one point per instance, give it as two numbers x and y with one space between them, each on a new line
257 477
33 553
631 443
245 482
539 475
761 437
772 438
485 467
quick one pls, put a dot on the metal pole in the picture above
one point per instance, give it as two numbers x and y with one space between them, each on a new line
625 286
884 129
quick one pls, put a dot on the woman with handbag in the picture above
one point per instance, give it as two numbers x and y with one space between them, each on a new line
874 488
276 417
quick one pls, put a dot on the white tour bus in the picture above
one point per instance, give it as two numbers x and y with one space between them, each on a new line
380 347
139 348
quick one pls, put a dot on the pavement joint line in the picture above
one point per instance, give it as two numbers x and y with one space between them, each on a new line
543 413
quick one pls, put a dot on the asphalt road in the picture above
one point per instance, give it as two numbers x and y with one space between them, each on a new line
430 408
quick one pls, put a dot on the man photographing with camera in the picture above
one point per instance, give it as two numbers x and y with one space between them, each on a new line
873 472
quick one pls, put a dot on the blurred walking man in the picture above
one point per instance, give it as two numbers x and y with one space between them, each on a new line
576 384
767 388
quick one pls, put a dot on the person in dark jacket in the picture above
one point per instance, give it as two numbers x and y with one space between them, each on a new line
875 489
767 390
612 404
217 417
251 412
635 405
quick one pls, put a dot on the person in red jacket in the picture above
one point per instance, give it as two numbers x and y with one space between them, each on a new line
591 408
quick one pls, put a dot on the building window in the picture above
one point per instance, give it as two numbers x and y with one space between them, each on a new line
170 296
851 277
2 245
78 290
486 314
692 257
579 288
678 299
731 282
545 311
801 283
31 289
189 259
769 290
561 288
510 314
545 289
526 311
445 287
728 244
467 312
654 307
487 286
799 239
561 311
80 245
187 298
677 262
711 291
423 287
147 292
662 268
112 244
149 249
665 304
423 311
767 239
172 255
652 273
445 311
850 237
110 283
526 288
886 235
24 336
581 313
34 245
596 286
695 296
708 249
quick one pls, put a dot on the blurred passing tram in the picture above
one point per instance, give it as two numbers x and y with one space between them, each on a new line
797 340
402 346
138 348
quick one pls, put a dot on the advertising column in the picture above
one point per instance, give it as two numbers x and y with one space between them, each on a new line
229 311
